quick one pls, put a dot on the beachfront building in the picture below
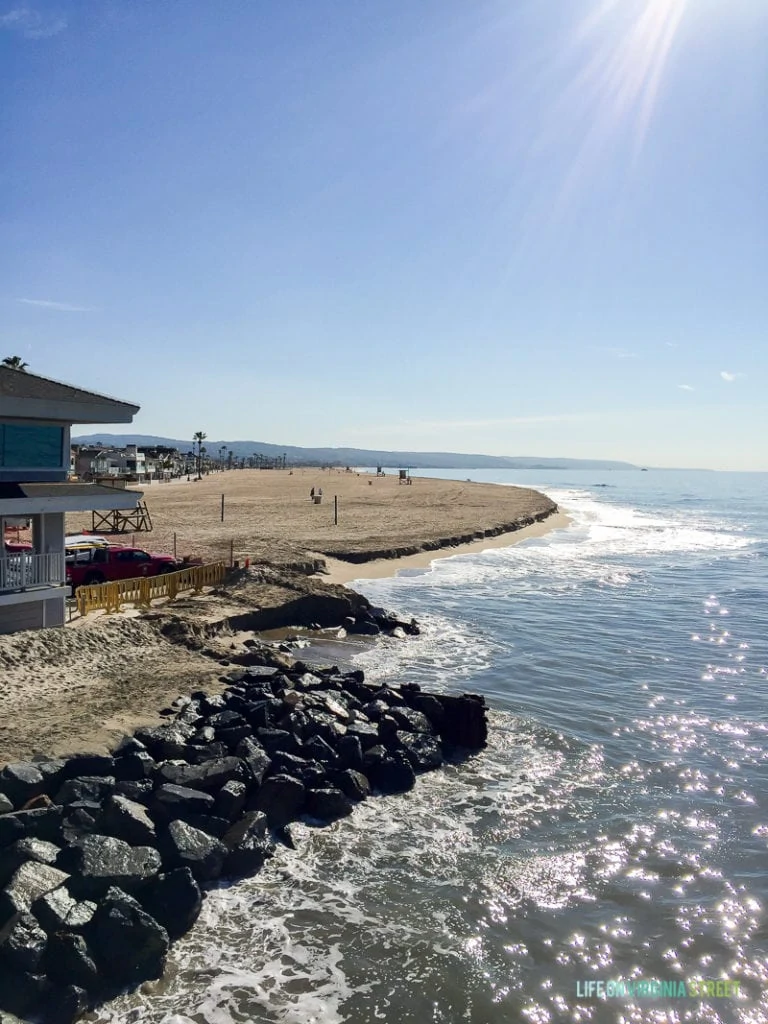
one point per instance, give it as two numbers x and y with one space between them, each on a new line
36 416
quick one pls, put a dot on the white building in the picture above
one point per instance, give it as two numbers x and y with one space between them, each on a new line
36 416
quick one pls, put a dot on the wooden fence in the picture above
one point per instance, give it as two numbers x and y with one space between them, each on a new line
141 592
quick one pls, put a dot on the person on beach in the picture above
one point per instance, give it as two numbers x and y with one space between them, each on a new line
312 493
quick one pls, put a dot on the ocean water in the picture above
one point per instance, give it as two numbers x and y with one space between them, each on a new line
615 829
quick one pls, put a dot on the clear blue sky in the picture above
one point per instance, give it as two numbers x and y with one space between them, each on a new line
519 228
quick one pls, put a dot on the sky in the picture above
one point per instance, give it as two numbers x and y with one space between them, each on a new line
513 228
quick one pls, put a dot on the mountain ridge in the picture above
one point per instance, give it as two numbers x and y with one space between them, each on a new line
358 456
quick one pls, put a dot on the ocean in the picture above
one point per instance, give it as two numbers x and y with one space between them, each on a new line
606 858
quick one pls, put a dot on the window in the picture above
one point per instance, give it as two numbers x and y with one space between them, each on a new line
30 447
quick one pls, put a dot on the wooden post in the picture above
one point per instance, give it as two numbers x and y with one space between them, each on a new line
231 553
174 545
222 508
335 510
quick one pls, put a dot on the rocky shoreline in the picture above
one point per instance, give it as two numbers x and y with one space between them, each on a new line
104 858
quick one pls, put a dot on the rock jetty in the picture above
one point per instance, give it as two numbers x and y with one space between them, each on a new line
104 858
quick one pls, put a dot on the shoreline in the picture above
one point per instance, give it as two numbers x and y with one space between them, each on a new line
346 573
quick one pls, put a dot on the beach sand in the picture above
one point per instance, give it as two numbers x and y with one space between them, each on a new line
269 517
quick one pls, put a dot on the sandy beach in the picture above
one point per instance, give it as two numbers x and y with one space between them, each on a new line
269 516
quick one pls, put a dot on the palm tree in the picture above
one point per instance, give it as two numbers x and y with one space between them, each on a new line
198 439
15 363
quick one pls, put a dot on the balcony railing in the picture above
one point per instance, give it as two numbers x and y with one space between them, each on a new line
24 569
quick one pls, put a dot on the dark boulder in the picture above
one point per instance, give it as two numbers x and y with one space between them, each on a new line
91 788
277 739
208 752
22 945
328 804
58 910
209 776
281 798
165 743
352 783
22 993
80 765
393 774
128 745
171 802
233 734
430 707
139 790
248 844
186 847
210 823
29 882
318 750
20 782
6 806
99 862
375 709
465 723
422 750
23 850
174 900
230 800
350 753
410 720
66 1004
366 732
134 766
129 945
125 819
69 961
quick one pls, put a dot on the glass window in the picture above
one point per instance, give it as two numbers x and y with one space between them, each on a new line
30 447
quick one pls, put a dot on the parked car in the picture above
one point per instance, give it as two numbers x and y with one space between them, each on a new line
97 563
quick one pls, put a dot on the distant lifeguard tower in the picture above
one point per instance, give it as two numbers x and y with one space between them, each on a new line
404 476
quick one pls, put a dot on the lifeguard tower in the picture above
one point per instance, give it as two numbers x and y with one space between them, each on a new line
404 476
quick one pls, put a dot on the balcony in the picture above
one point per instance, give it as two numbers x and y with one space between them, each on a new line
25 570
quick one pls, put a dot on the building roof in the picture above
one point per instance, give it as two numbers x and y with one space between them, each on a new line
28 395
26 499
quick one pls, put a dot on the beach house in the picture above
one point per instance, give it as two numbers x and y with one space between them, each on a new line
36 416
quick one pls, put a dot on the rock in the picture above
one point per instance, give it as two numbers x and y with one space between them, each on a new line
91 788
367 733
80 765
58 910
209 776
210 752
179 802
164 743
375 709
230 800
6 806
248 845
327 804
23 850
138 790
277 739
281 798
350 753
318 750
129 745
353 784
69 961
20 782
44 823
232 735
393 774
431 707
186 847
465 723
410 720
99 862
22 993
224 719
255 759
68 1003
129 945
422 750
134 766
23 944
35 803
127 820
29 882
209 823
174 900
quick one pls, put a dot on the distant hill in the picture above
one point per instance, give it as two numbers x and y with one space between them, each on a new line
357 456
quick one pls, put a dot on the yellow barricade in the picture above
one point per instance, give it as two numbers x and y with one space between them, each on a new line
142 591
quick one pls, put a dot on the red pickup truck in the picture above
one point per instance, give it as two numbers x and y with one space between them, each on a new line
105 563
